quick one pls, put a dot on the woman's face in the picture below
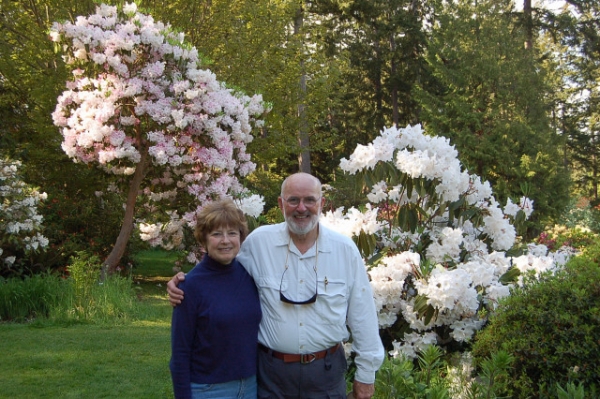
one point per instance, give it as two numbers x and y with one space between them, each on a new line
223 244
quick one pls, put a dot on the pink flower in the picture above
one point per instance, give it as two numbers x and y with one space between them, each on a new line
136 87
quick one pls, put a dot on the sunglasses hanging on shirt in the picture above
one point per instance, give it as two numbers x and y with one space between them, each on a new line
310 300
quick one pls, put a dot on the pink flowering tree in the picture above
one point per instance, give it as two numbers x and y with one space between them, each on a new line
140 106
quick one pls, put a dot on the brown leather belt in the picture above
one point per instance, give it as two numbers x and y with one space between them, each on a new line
303 358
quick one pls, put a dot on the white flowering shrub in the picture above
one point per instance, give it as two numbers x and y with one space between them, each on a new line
20 223
140 105
435 239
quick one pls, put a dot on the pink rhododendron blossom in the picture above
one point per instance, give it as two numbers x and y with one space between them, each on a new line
140 93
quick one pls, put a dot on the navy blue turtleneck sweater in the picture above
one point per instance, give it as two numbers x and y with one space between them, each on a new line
214 330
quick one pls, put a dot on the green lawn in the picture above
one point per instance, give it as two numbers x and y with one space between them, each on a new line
94 361
85 361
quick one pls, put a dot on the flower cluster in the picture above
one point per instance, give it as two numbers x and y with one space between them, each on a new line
444 236
138 97
252 205
20 224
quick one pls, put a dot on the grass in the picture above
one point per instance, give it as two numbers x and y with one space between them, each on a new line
129 360
85 361
94 355
153 270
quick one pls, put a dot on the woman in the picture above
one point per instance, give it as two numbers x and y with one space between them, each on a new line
214 330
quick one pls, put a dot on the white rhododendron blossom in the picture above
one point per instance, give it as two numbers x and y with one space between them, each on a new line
20 223
353 221
413 344
140 104
538 261
439 275
252 205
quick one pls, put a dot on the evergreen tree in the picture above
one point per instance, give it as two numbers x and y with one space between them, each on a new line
493 104
574 44
378 47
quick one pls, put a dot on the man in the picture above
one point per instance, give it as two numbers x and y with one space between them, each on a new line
313 285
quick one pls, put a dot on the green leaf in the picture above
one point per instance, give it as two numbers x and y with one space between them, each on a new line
366 243
510 276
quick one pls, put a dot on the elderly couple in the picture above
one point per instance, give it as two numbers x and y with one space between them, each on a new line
294 288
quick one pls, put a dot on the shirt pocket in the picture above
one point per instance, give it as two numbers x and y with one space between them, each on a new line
268 290
332 302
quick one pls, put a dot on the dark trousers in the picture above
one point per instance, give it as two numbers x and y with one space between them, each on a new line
321 379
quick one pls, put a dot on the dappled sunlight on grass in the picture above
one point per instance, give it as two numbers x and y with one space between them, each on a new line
152 323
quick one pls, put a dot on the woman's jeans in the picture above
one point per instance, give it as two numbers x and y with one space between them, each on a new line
236 389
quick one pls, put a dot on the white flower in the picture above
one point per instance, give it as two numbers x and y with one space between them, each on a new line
353 222
252 206
526 205
412 344
463 330
129 8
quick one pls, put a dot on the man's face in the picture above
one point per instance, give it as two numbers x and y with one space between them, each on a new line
301 204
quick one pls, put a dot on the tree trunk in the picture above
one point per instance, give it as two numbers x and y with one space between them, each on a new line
394 88
118 250
527 14
303 137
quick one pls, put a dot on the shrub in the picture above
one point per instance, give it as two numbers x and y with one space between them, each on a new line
552 327
90 300
433 376
439 247
402 377
574 237
80 298
25 298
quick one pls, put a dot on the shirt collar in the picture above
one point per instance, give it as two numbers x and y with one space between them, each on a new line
283 237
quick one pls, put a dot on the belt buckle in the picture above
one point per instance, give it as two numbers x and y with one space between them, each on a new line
307 358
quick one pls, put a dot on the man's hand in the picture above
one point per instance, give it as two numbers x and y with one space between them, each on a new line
175 294
363 391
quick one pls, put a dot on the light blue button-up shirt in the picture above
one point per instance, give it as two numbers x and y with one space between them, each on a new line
345 298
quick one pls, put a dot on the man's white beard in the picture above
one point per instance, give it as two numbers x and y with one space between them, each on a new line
301 230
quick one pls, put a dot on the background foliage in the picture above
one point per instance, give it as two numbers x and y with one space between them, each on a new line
552 327
522 117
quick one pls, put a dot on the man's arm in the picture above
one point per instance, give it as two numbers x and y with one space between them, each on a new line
363 391
364 327
175 294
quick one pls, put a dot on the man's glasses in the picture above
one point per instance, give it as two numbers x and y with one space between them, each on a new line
309 202
285 299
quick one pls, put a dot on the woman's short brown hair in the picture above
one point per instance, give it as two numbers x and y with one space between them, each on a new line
220 213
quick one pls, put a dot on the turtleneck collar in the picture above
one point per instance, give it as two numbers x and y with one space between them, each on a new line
211 264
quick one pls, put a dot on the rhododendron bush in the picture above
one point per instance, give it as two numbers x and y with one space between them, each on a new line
20 223
140 106
436 240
